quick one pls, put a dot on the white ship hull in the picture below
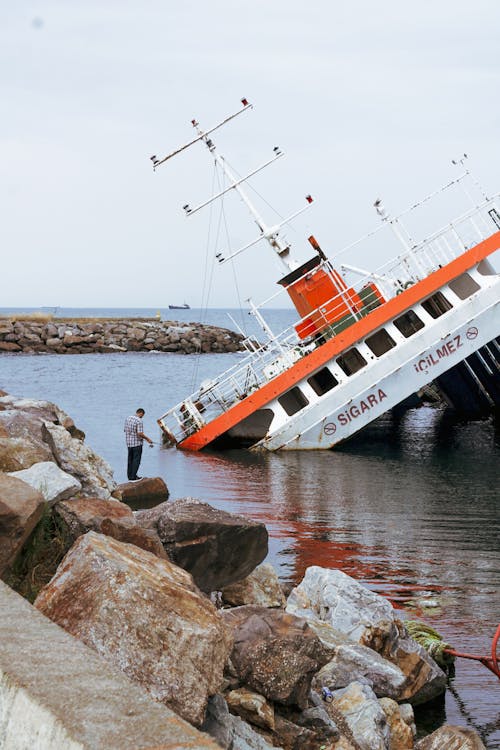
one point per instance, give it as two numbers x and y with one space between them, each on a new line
346 410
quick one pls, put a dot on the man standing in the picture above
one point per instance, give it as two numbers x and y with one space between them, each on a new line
134 436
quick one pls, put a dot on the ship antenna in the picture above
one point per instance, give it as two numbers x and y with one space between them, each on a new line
267 232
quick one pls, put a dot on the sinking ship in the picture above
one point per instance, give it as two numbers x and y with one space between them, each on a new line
365 341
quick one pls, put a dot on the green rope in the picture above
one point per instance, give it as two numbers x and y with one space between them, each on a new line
430 639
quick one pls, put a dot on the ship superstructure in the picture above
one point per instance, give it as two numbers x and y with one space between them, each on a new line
364 341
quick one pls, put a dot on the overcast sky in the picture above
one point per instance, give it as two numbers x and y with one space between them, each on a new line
367 99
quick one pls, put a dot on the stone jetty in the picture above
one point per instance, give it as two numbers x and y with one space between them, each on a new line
163 628
105 335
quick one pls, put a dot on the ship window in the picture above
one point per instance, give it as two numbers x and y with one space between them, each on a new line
380 342
293 401
322 381
351 361
436 305
464 286
408 324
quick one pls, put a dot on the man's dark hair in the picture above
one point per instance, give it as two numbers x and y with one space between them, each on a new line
140 411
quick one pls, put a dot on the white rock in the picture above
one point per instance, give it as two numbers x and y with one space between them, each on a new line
333 597
54 483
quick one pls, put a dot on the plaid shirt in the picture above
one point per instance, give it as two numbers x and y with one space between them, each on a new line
133 425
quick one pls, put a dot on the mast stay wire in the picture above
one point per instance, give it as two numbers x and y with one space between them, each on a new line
228 240
208 272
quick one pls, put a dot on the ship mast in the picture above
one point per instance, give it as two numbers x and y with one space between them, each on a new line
270 233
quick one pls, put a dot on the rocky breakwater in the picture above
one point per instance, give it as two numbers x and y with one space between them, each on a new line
85 336
178 598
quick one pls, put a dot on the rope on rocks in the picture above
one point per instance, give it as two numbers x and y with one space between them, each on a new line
432 641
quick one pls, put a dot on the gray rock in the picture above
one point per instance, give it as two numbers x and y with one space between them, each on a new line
318 720
354 662
246 738
365 717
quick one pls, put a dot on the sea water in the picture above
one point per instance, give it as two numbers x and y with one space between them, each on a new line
408 508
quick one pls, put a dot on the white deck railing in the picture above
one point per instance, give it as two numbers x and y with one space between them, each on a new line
265 361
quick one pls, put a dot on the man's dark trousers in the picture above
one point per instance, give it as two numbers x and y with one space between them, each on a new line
134 459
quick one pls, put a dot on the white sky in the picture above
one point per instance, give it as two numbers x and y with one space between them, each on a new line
366 98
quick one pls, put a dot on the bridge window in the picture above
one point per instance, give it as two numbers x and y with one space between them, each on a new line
351 361
464 286
436 305
293 401
380 342
408 324
322 381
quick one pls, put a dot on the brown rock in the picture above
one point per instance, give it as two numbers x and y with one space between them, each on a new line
401 733
27 425
251 707
261 587
289 736
9 346
21 507
19 453
425 680
274 653
109 517
145 616
216 547
146 493
451 738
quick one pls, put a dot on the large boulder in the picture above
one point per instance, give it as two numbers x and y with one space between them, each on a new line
333 597
261 587
451 738
145 616
54 483
274 653
21 507
146 493
109 517
78 459
216 547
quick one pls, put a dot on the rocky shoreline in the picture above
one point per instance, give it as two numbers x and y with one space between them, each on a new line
105 335
178 597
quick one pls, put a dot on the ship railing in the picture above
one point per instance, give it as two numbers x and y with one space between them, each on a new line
278 353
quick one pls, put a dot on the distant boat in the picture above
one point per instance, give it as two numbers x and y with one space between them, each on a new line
185 306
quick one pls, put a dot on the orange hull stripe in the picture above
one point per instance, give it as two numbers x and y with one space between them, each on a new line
331 348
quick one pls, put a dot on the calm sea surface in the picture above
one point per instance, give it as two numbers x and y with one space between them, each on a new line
409 508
